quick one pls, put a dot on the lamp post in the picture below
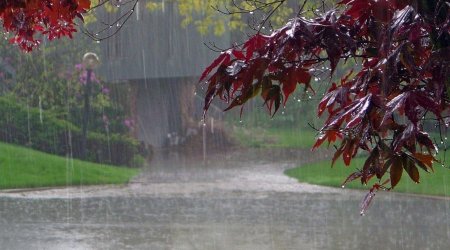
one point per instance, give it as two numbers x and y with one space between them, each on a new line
90 62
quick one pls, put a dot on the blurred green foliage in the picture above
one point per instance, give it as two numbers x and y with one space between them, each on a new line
42 130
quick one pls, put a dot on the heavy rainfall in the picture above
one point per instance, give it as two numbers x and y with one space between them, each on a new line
105 144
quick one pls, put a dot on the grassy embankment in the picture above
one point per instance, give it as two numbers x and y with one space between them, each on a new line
320 173
25 168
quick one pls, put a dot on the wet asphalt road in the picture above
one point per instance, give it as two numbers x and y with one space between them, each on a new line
238 200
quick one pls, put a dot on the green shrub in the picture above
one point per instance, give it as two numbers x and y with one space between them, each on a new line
138 161
27 126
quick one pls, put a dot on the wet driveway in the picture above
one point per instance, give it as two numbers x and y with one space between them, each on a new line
238 200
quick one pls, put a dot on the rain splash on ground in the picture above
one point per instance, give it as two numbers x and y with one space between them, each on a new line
235 200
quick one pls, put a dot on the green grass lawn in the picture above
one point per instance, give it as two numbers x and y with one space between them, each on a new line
283 137
321 173
24 168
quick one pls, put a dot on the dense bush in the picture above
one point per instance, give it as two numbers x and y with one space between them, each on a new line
40 130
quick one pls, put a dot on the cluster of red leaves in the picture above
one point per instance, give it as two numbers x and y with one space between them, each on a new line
403 50
52 18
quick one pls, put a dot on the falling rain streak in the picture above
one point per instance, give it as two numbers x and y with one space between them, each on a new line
192 182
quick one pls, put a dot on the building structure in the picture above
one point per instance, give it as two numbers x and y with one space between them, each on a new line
162 62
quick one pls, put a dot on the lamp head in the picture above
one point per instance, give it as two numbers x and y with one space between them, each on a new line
90 61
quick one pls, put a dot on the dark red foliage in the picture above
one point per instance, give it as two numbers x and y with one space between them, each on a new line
403 56
25 19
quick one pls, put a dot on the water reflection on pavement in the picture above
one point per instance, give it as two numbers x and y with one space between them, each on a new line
235 200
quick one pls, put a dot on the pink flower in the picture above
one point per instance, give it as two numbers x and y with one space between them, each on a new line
105 90
83 77
129 123
84 74
94 78
79 66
